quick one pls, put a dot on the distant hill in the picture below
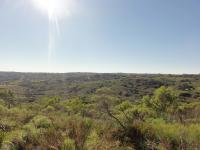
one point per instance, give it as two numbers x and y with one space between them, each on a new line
30 86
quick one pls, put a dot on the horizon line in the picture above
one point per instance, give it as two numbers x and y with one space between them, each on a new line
91 72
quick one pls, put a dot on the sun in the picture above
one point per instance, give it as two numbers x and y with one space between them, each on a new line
53 8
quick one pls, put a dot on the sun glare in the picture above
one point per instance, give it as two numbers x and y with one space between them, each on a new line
53 8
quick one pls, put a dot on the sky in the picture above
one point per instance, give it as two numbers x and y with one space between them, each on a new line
130 36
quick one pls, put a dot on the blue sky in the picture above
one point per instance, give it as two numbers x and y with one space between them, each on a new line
133 36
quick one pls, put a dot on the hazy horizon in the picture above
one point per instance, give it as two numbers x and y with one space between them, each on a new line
142 73
132 36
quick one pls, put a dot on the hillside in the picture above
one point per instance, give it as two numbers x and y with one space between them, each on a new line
29 86
86 111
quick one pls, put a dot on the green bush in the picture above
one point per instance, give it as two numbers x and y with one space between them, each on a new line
41 121
2 135
8 125
13 140
31 133
73 106
2 102
79 130
173 135
95 116
3 109
49 109
105 91
164 98
53 100
68 144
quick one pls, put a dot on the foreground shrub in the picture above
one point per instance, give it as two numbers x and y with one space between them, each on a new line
7 125
13 140
1 138
79 130
172 135
31 133
164 101
20 114
50 139
41 121
3 109
68 144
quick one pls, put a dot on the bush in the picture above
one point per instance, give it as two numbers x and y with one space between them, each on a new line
31 133
163 99
3 110
172 135
2 102
68 144
105 91
13 140
20 114
7 125
41 121
50 139
53 101
2 135
49 109
79 130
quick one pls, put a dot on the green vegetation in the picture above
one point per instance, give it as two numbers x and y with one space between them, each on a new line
99 112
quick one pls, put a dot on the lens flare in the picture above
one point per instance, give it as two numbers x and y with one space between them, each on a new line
55 10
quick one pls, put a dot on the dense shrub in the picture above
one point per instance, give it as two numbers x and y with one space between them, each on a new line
172 135
79 130
105 116
41 121
2 134
68 144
